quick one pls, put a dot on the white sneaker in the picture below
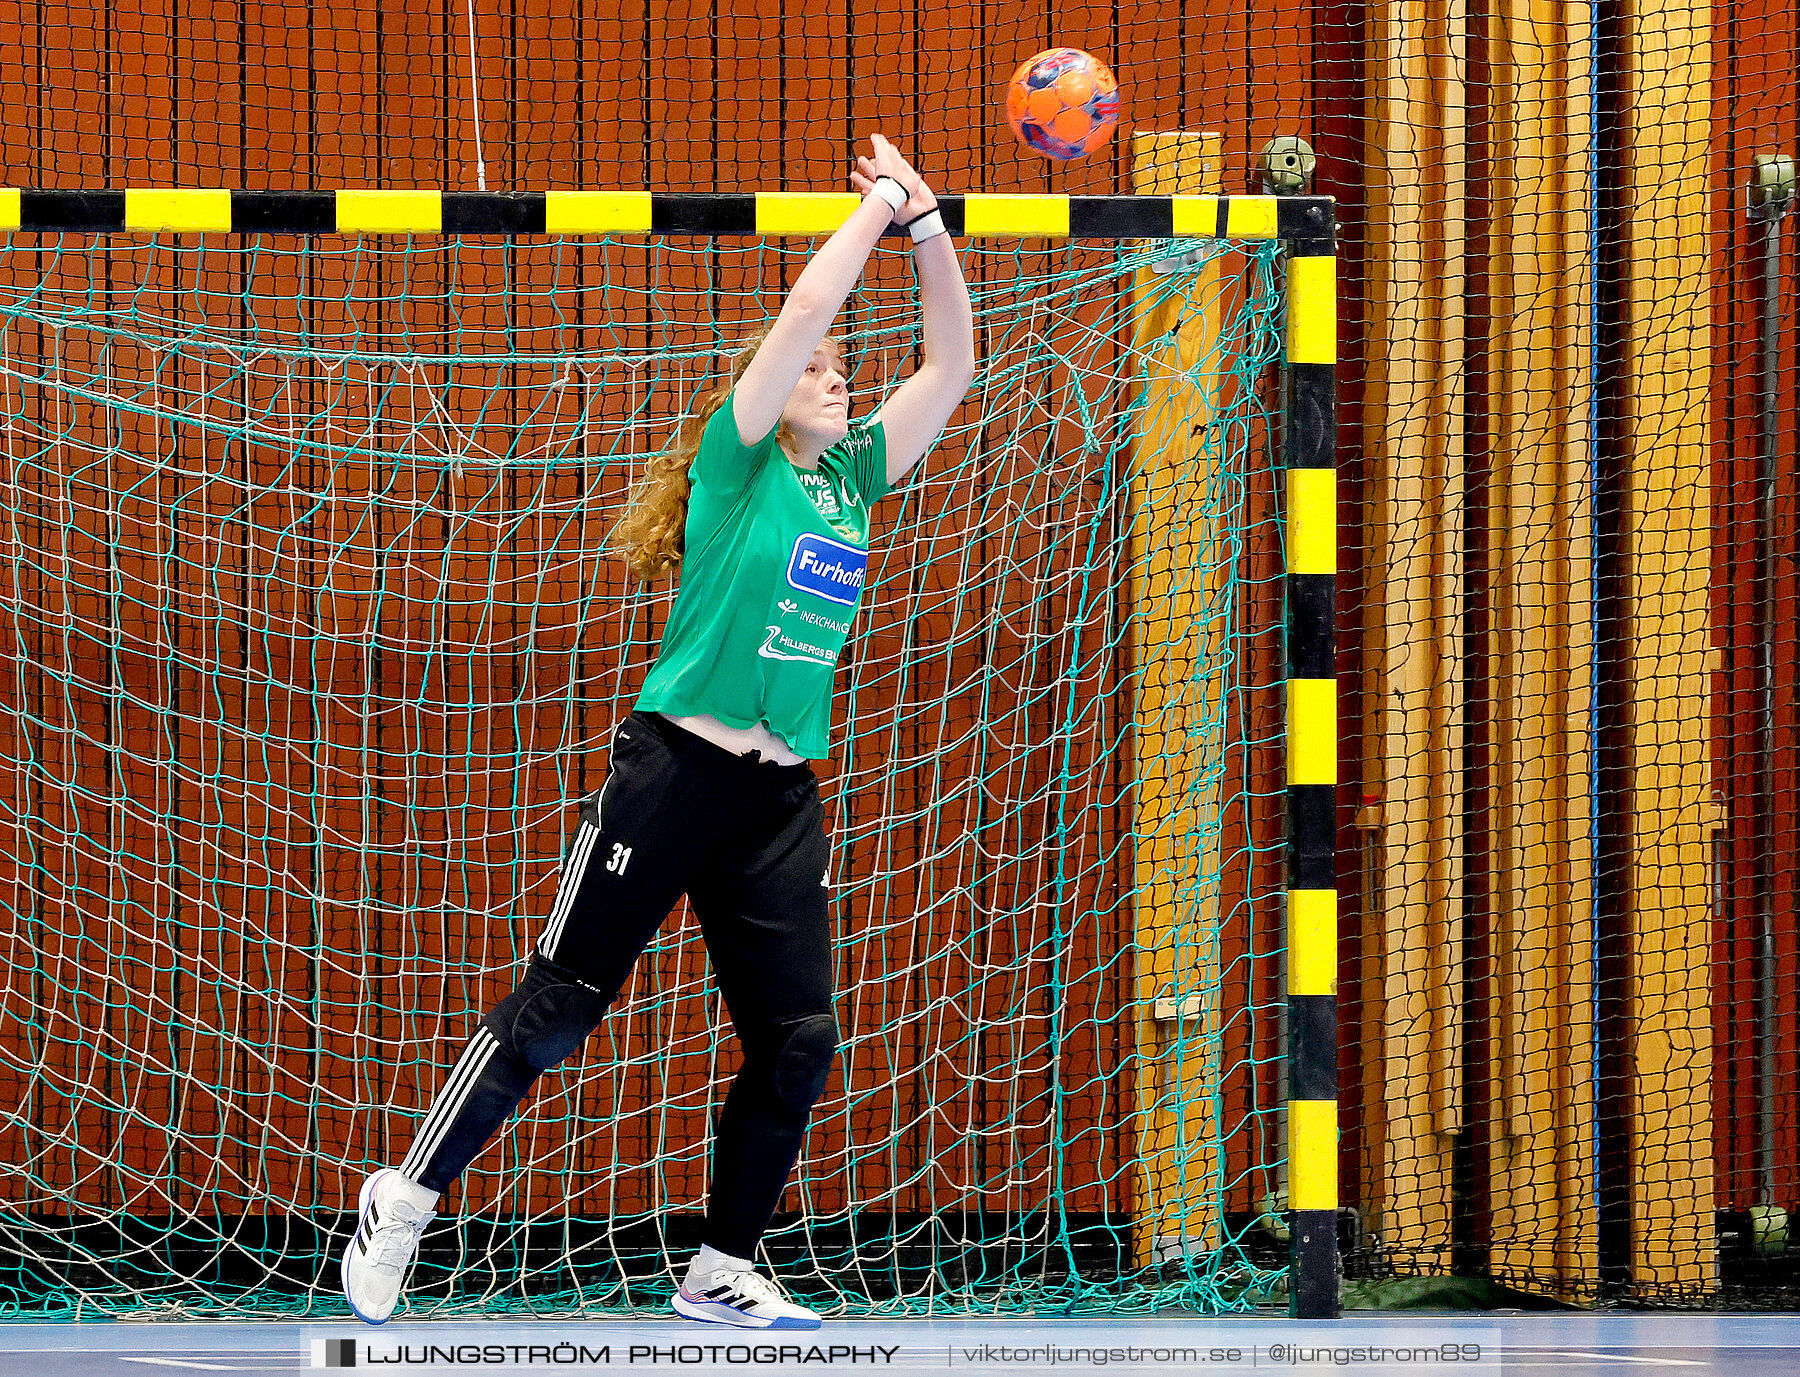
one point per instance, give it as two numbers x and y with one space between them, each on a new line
391 1213
737 1294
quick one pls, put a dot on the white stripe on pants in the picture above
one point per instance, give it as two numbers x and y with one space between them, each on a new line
450 1101
587 835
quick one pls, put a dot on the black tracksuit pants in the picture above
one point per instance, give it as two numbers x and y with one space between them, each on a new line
744 839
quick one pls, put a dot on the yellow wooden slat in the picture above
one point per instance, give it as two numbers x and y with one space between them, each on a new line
1312 731
596 212
1312 1154
192 210
1023 215
390 212
1312 521
1411 695
1666 458
1196 216
1540 1027
1252 217
1312 941
1312 310
9 208
804 212
1178 652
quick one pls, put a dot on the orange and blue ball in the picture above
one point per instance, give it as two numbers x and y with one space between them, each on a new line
1063 103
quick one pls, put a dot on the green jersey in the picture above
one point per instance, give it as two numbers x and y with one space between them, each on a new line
772 571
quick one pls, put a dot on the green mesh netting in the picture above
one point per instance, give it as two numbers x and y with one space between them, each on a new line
312 650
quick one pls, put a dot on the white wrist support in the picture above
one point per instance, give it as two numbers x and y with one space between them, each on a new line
927 226
890 191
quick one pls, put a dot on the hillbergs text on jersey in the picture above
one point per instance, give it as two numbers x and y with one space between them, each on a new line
772 573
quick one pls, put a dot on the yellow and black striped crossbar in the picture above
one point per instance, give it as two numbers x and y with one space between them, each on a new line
1309 444
763 213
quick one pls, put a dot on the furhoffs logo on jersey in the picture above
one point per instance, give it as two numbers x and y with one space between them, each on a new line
828 568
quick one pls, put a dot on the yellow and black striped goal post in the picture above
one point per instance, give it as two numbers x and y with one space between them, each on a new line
1309 445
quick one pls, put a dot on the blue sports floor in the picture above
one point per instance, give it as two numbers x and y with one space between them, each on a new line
1413 1343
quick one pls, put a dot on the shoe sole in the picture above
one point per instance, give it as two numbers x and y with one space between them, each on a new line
364 1199
712 1312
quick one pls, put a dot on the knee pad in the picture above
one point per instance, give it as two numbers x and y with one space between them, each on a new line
807 1047
546 1019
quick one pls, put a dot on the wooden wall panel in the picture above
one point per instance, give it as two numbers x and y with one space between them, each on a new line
204 83
78 50
410 90
349 132
21 484
279 99
599 73
1754 93
1412 619
20 64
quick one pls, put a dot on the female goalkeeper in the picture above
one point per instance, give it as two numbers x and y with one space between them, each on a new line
763 504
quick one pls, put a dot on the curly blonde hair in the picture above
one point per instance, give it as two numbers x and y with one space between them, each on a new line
649 537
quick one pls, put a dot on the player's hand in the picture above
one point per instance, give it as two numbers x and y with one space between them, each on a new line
921 201
887 162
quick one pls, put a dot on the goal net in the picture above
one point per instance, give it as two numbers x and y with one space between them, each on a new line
312 649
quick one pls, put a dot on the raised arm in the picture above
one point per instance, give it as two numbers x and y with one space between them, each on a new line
919 409
815 299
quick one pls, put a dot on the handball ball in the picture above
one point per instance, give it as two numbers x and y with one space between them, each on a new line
1063 103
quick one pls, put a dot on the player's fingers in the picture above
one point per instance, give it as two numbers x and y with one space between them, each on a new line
887 161
908 175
